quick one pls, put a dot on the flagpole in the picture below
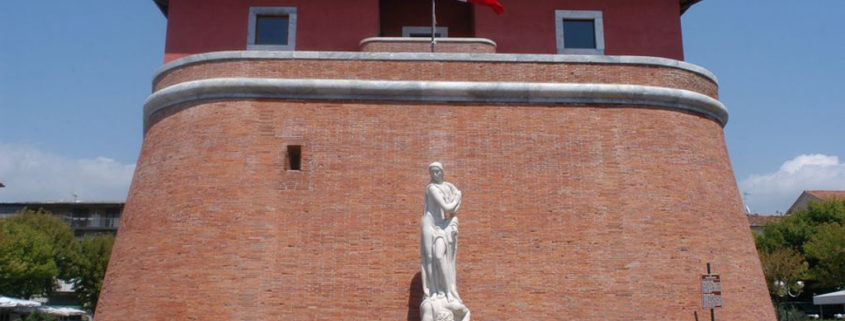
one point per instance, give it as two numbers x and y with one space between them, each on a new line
433 26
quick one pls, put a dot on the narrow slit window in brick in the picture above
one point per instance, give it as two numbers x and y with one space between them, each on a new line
294 157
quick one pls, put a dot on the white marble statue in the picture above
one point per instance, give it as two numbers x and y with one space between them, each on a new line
438 250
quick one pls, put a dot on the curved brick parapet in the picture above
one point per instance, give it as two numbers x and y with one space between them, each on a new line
635 70
572 209
631 96
415 77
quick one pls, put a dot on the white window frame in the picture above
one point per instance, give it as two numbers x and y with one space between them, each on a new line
254 12
407 31
598 24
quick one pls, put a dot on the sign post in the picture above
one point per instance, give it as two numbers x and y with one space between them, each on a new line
711 292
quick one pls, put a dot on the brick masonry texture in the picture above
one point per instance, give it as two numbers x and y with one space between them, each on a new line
444 71
570 211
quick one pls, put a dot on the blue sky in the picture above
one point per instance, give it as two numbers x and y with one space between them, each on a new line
781 68
73 77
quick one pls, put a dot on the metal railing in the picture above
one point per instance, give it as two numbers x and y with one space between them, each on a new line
92 222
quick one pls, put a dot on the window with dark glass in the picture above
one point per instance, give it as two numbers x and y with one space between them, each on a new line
579 33
80 217
294 157
10 209
271 29
424 32
425 35
111 218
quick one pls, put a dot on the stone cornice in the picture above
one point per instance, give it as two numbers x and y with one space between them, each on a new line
428 40
434 92
415 56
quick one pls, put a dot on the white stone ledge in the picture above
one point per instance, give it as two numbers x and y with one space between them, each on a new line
422 56
434 92
428 40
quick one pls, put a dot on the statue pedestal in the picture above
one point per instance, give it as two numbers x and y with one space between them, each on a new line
441 309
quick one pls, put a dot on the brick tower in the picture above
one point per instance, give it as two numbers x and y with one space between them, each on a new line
286 145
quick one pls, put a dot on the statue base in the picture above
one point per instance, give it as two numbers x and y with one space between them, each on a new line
439 308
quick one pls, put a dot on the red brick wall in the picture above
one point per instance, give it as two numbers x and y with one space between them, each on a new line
570 212
444 71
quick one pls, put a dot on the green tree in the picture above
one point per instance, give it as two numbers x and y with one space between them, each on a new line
58 232
27 267
90 268
826 249
814 234
785 265
825 212
787 313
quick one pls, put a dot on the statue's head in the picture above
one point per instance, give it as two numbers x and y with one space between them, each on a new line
436 171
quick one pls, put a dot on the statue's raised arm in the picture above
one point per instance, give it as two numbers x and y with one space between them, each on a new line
449 200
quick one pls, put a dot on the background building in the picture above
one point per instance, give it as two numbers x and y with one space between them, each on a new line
287 142
758 222
814 196
83 217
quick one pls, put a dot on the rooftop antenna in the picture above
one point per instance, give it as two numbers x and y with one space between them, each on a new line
745 202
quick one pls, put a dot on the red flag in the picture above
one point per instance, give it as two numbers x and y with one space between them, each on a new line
494 4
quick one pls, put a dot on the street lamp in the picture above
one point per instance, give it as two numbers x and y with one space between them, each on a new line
782 289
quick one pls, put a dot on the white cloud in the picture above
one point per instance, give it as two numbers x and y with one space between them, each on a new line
768 193
32 174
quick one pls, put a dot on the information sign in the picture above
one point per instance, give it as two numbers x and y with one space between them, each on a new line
711 291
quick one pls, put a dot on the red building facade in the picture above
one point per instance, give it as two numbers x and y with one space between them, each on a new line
282 179
640 28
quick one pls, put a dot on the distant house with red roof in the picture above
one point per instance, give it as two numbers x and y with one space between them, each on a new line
758 222
814 196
